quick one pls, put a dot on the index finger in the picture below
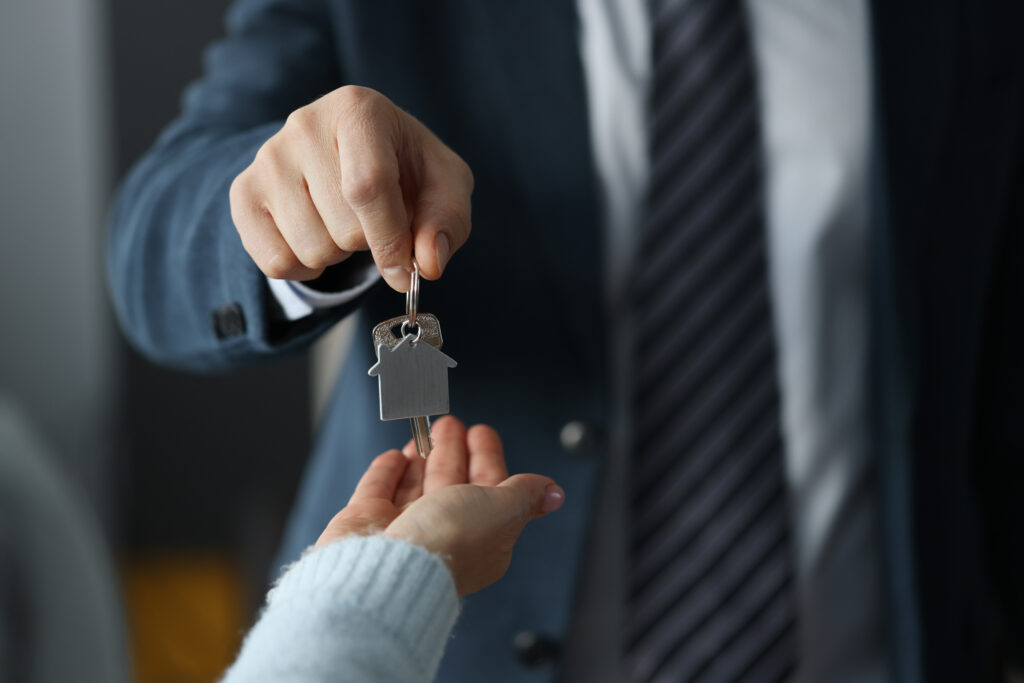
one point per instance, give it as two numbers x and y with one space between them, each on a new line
370 184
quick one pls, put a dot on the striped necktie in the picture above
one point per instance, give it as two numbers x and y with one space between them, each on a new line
711 587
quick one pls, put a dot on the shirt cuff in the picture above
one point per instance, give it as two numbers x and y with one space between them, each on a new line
298 300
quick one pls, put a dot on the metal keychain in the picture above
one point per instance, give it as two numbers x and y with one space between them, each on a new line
412 371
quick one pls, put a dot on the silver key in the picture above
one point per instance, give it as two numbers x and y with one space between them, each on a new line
389 332
411 370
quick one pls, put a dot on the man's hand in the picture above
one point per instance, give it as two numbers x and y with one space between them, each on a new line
347 173
460 503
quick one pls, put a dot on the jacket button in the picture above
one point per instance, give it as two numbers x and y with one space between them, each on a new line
578 437
228 321
535 650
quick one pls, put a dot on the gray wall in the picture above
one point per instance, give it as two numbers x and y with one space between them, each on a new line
168 459
55 336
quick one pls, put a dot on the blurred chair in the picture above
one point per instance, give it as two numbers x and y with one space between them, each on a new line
60 612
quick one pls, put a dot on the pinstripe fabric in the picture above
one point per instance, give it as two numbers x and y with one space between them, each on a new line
711 594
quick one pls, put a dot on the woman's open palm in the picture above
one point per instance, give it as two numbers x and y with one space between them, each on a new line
459 503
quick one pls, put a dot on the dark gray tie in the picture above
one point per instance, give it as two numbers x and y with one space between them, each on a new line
711 587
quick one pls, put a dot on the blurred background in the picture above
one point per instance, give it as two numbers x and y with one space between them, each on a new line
139 508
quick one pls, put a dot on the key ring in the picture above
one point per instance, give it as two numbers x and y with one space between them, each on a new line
412 297
406 333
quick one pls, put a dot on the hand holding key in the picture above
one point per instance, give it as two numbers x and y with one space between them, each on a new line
460 503
351 172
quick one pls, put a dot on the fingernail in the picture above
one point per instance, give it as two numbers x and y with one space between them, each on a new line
554 496
443 249
397 277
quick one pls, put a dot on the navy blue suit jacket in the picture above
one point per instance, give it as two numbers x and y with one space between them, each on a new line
502 84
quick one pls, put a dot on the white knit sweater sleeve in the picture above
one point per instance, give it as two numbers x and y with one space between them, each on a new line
366 608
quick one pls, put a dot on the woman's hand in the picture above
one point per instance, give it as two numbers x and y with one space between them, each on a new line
460 503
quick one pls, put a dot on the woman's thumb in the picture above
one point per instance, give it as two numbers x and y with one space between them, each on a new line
538 495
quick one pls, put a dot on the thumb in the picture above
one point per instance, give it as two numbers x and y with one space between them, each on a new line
538 495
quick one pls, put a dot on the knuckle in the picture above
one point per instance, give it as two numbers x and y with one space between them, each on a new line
320 256
357 96
351 239
246 203
303 122
279 265
241 193
366 108
456 166
391 248
454 217
270 159
466 173
362 188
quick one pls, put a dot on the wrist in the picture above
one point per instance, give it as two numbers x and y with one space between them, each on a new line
422 538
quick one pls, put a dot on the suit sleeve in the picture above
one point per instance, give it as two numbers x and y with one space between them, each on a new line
1001 465
174 257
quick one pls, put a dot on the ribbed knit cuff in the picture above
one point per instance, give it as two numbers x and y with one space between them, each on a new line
402 588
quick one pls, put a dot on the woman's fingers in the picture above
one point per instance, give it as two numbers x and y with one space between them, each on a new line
447 463
411 486
382 478
486 456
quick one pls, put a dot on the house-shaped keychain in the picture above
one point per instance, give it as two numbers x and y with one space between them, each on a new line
412 378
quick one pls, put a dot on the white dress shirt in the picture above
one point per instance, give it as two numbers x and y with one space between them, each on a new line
813 66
